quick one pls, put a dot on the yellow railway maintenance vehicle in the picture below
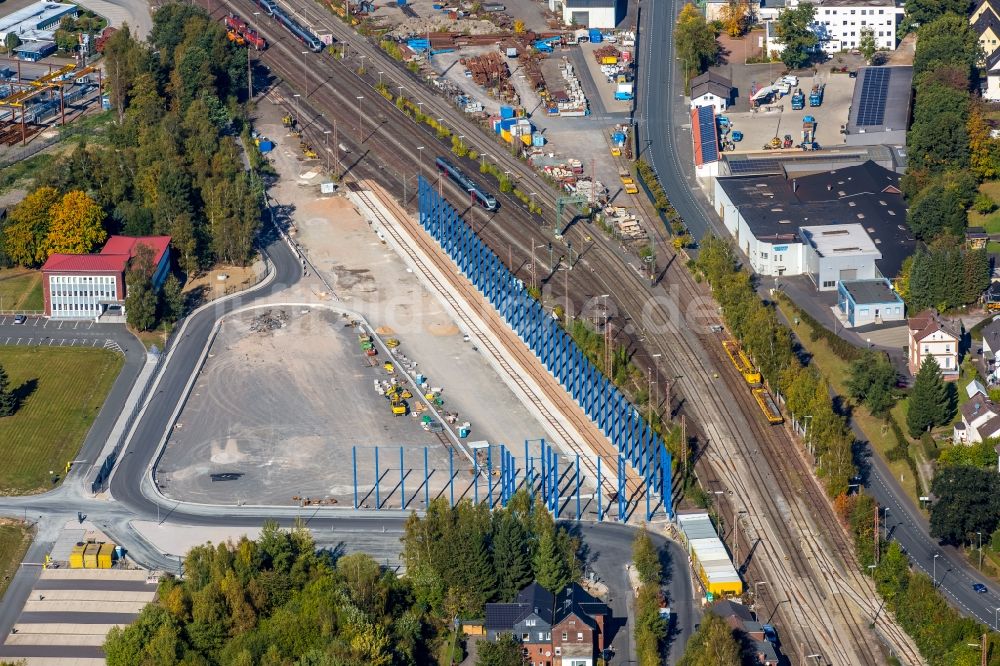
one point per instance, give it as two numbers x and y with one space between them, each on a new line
767 405
742 363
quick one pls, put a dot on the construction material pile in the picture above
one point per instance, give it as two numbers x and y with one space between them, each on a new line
607 55
268 321
488 70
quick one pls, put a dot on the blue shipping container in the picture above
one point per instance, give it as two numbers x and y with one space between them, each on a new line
506 112
596 36
265 146
537 140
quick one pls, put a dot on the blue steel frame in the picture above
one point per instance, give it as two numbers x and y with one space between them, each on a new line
636 442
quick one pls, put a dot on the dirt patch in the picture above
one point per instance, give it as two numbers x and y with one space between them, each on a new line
442 329
903 55
208 286
384 330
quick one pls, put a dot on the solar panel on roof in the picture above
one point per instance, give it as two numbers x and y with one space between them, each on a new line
871 106
706 133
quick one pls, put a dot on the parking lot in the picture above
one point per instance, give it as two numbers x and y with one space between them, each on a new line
777 118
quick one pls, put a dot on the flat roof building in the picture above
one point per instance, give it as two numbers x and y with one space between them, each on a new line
836 252
603 14
880 109
36 22
863 302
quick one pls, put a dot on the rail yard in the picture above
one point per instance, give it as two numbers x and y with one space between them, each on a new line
783 523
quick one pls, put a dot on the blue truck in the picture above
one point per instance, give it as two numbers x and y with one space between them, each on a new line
816 96
798 101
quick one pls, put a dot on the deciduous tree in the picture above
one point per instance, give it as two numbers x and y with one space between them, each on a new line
76 226
712 644
735 16
504 651
946 41
867 44
984 150
695 40
871 381
794 32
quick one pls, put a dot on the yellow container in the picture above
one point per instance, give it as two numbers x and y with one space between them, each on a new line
609 60
76 557
526 139
505 134
90 556
105 556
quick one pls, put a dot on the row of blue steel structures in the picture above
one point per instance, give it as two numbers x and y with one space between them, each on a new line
636 443
546 481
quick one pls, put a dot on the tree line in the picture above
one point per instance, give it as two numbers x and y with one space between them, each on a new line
460 558
950 151
277 601
940 632
172 164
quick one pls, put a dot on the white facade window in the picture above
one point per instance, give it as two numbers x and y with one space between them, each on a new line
81 295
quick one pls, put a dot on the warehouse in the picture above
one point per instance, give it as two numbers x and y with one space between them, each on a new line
709 556
775 221
36 22
603 14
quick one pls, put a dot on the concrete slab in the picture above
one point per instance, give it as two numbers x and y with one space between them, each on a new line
279 412
95 574
66 629
49 605
122 596
66 661
55 639
179 539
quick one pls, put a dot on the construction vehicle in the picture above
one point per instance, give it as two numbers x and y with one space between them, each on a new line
288 121
787 142
773 144
767 405
737 136
808 133
816 96
616 151
798 101
399 406
742 362
392 343
307 150
627 181
389 367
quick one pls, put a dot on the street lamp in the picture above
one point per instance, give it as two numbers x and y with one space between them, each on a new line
808 443
305 74
361 134
936 555
885 521
420 158
326 136
362 62
996 611
380 79
298 106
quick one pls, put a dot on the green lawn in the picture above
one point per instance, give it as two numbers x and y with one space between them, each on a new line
879 435
62 390
14 541
991 221
21 290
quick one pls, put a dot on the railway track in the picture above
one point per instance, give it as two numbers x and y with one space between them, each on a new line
517 350
794 558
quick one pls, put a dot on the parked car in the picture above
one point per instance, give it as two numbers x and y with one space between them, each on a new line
980 588
20 319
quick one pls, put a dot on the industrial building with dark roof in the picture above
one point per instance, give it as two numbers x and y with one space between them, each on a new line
766 215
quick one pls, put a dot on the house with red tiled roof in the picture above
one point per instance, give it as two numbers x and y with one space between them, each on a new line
929 335
86 286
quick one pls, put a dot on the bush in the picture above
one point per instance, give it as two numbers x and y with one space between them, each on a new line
984 204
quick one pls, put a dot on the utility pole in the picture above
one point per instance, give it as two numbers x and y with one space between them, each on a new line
336 150
361 129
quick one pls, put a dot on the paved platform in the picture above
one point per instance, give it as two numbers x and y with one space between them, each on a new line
70 611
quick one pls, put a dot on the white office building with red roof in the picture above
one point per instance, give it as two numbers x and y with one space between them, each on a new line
86 286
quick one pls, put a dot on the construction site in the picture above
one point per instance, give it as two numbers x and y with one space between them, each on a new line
35 97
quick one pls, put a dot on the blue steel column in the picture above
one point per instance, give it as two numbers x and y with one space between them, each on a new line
378 502
578 486
555 483
600 492
543 486
427 488
649 491
621 488
354 466
402 481
666 482
503 475
451 476
489 473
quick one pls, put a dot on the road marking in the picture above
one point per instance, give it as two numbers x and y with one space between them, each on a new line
60 325
18 341
51 341
29 341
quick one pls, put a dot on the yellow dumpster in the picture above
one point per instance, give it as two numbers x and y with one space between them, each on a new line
105 556
76 556
90 556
